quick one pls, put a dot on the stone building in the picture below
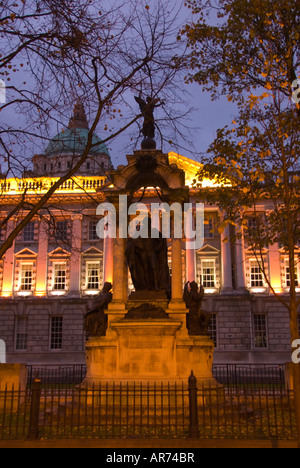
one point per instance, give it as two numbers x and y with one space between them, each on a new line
57 266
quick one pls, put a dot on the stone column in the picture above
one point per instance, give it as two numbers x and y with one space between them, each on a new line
191 265
240 266
117 308
118 269
108 260
42 261
177 291
190 257
75 261
8 266
275 268
226 262
177 309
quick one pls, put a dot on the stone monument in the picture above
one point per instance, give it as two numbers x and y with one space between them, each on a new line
95 321
198 320
147 109
146 335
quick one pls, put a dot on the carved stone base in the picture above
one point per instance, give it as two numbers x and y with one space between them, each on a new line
148 350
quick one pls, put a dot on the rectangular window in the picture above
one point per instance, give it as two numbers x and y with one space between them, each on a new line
252 225
60 277
61 231
56 339
93 276
28 232
208 229
26 277
208 268
93 230
257 280
21 333
288 275
260 332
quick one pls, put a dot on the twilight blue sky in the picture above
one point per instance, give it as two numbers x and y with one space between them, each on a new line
204 119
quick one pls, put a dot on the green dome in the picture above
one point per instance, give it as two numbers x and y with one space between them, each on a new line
74 140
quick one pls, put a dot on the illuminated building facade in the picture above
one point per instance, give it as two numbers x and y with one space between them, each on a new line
57 266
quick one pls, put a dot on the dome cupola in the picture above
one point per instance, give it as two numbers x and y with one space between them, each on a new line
65 149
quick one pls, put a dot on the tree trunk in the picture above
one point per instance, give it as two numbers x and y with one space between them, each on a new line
296 367
294 326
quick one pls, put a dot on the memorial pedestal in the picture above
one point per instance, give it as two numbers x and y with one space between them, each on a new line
146 351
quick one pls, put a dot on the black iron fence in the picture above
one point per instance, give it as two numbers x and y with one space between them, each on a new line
147 410
229 375
254 375
57 375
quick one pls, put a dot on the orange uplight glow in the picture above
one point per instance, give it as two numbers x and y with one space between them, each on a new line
6 294
7 288
40 293
41 185
191 169
277 285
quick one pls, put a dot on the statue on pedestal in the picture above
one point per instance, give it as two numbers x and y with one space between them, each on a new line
95 321
147 109
198 321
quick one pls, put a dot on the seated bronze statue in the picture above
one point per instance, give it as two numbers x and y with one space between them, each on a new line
198 321
95 321
147 259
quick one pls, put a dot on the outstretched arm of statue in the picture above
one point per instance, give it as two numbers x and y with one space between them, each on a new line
141 103
158 103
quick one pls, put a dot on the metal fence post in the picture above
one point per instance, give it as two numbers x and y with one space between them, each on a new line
33 432
193 398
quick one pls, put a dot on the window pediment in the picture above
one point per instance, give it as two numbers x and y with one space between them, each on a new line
251 251
208 249
59 253
92 251
26 253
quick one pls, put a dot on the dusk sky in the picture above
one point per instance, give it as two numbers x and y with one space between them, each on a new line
204 118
